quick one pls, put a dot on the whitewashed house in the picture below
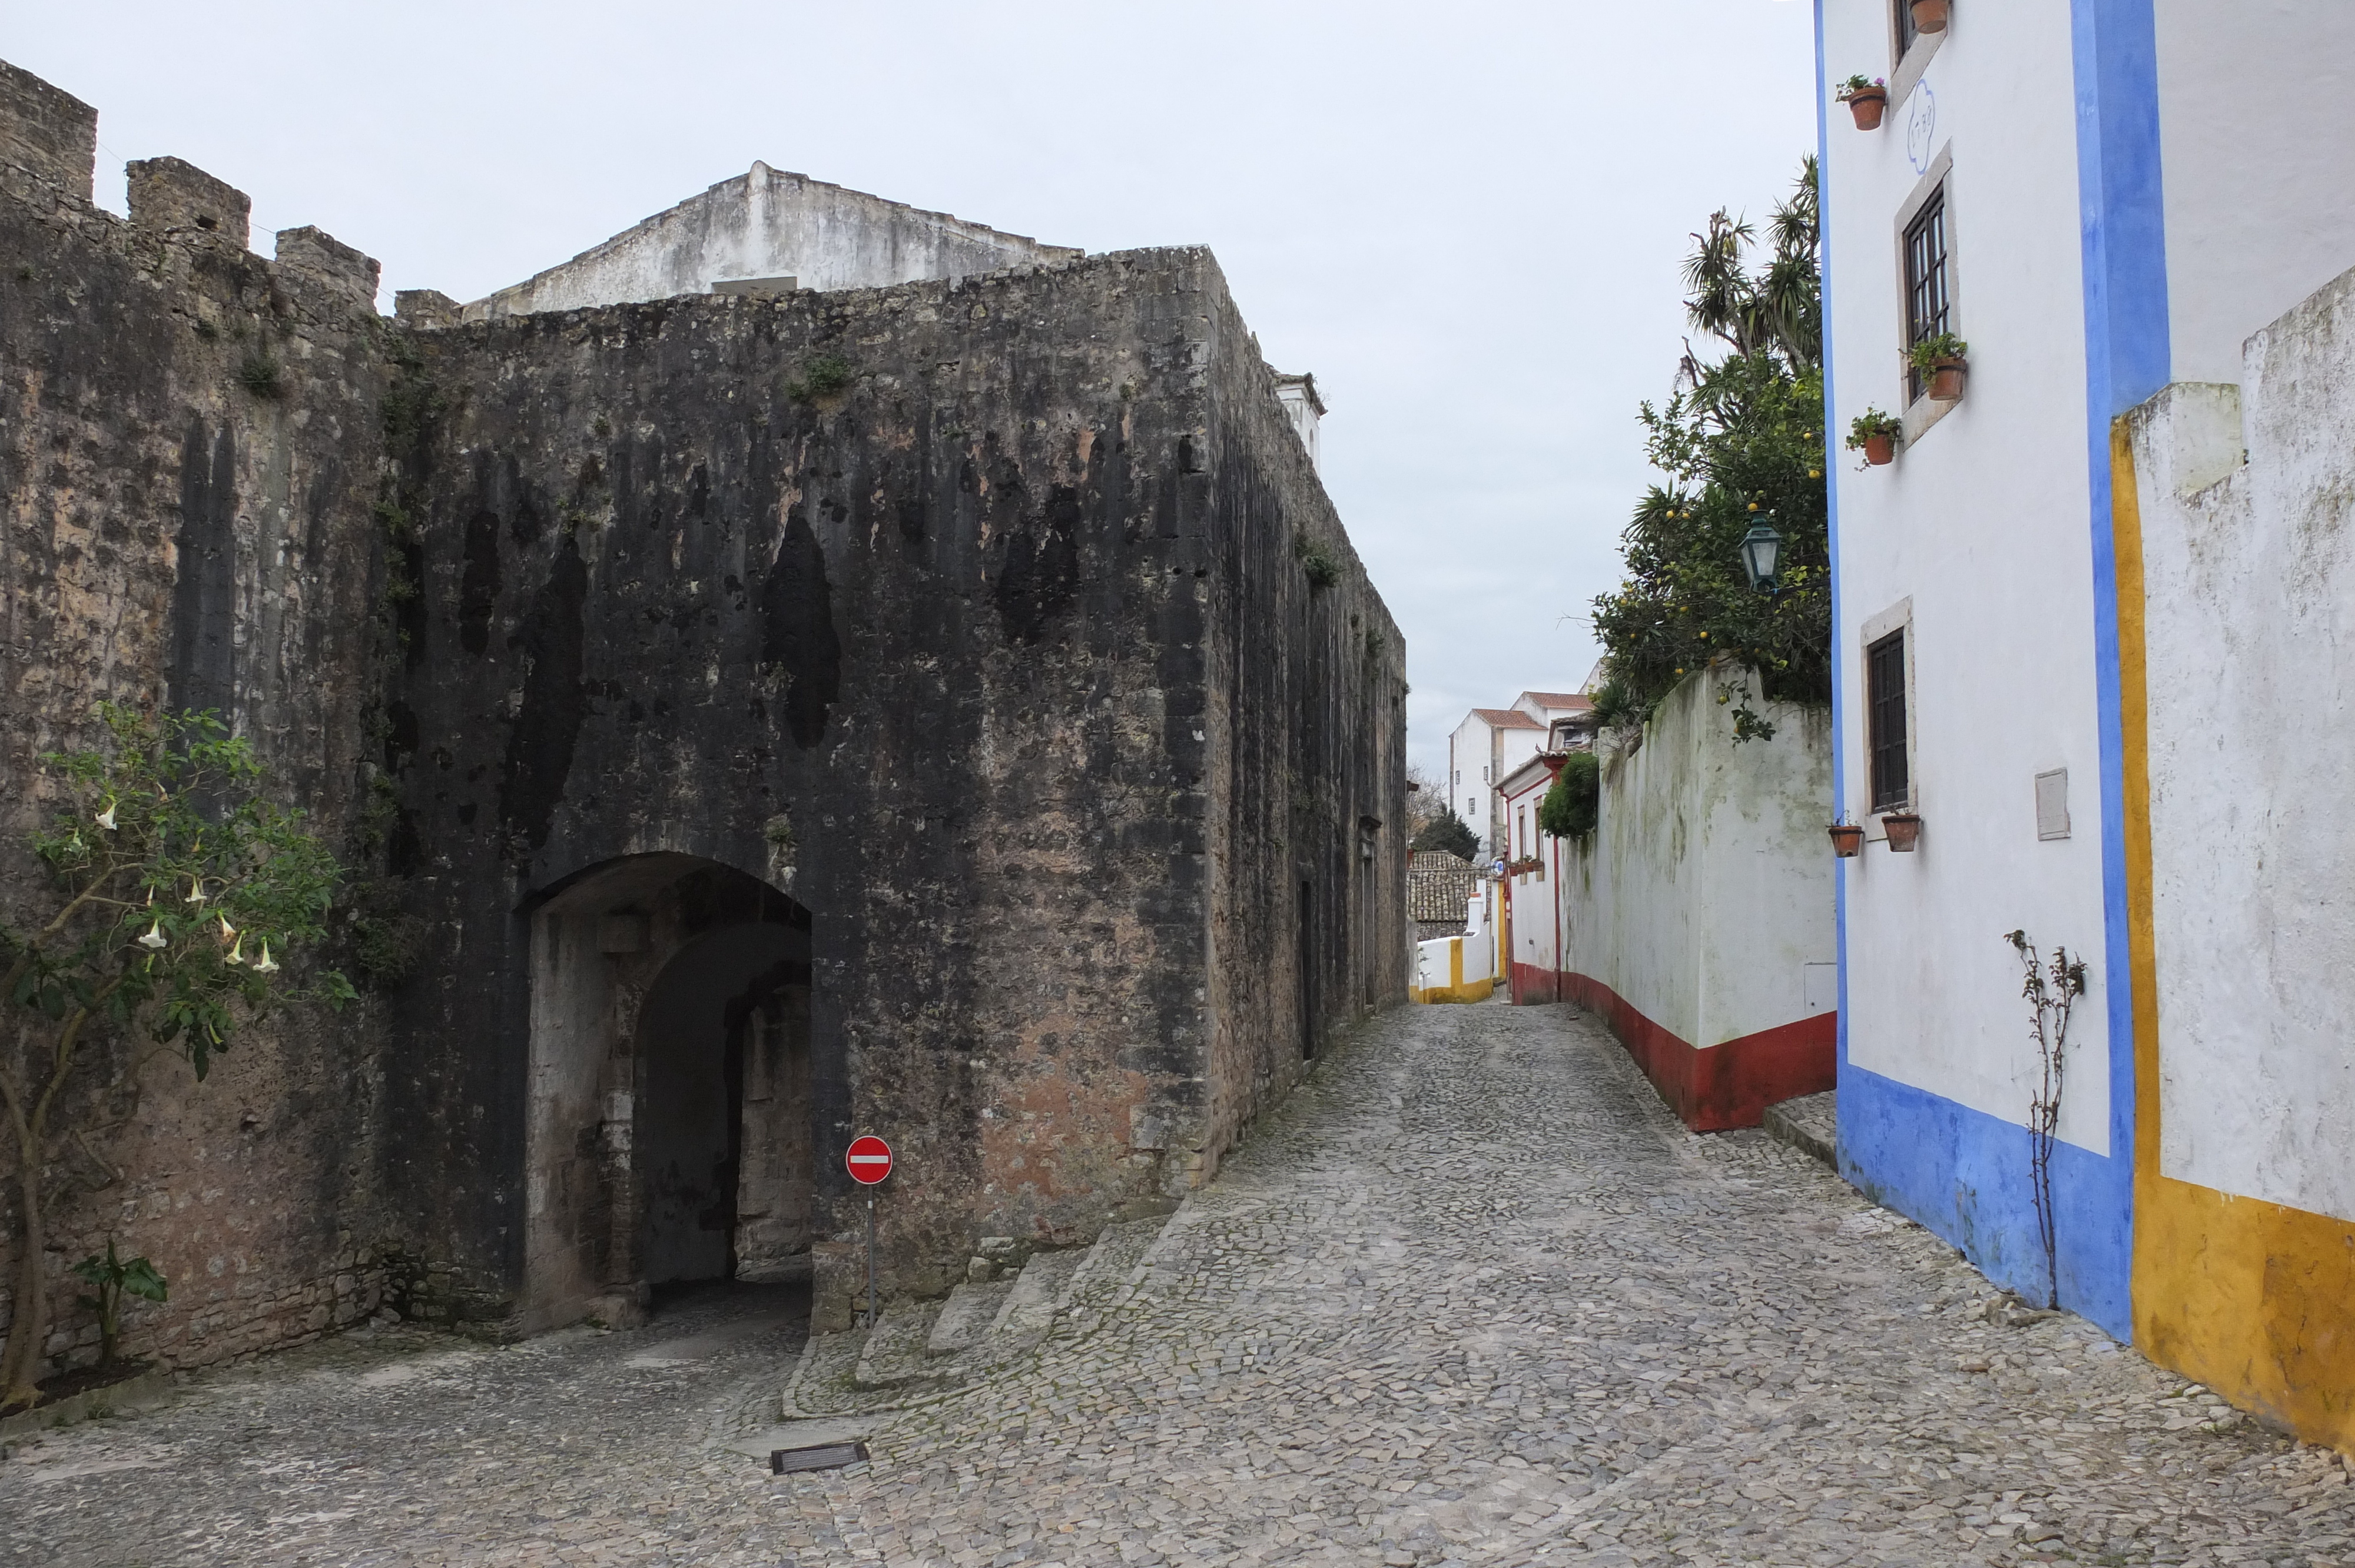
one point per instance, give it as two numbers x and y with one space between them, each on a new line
2135 217
1492 742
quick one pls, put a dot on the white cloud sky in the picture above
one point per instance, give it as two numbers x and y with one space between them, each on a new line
1465 220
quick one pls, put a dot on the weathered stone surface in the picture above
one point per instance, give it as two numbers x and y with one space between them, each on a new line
1472 1297
996 634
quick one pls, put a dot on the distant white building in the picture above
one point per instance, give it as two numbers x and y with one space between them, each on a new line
1492 742
770 231
1305 408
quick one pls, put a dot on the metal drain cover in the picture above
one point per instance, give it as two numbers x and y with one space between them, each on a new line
818 1457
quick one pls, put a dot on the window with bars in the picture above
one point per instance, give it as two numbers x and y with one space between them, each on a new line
1929 301
1884 679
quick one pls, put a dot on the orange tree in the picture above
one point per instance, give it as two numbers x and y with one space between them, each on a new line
1740 442
176 893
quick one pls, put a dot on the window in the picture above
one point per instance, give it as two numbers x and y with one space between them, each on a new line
1906 31
1884 677
1928 297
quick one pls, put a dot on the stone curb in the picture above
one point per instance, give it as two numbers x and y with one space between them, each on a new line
1808 1124
144 1391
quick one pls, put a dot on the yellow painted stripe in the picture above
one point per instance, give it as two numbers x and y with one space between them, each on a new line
2254 1299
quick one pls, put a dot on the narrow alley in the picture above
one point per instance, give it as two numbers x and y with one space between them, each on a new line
1471 1296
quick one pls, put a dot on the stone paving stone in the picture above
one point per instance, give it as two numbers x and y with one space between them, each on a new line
1472 1297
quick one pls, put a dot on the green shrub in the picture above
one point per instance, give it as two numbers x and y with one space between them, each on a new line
1571 808
821 375
258 374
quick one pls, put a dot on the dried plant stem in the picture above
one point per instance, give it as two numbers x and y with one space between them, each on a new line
2051 990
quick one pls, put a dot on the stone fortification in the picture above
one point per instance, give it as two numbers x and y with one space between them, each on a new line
980 661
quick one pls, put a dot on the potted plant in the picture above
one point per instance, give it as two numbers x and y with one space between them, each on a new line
1904 828
1867 98
1941 361
1847 838
1874 434
1930 16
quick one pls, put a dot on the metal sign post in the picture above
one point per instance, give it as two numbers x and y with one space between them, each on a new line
868 1160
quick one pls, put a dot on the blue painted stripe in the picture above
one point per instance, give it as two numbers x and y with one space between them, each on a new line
1964 1174
2123 227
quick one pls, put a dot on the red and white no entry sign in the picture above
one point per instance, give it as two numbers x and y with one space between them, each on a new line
869 1159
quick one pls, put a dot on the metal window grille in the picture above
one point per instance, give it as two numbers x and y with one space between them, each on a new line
1928 301
1884 677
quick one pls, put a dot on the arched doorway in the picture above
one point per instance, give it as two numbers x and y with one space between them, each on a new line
668 1133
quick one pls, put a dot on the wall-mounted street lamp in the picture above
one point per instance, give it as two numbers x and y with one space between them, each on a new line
1761 553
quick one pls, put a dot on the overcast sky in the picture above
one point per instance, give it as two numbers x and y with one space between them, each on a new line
1466 220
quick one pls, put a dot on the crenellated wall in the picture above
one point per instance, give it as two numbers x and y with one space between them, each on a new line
999 626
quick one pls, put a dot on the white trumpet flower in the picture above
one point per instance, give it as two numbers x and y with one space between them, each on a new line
106 818
154 940
236 955
267 965
197 893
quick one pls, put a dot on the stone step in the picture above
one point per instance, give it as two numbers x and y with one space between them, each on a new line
1809 1124
1028 1313
894 1352
965 1321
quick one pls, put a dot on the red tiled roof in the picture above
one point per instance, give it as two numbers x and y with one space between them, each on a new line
1505 718
1569 699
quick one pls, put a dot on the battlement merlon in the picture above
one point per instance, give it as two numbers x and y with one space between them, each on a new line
48 131
167 193
771 223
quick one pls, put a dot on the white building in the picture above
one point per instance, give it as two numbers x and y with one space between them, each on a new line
2105 199
1492 742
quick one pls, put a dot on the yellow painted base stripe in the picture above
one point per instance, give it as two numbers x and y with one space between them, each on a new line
2254 1299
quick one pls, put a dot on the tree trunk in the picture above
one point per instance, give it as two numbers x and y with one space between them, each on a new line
20 1364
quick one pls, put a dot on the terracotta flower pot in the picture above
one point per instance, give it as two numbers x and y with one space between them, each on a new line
1847 839
1904 828
1868 104
1946 379
1929 15
1879 450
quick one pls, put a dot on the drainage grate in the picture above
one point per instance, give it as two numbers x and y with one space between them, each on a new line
820 1456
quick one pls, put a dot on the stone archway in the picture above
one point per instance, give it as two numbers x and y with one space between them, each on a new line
667 1124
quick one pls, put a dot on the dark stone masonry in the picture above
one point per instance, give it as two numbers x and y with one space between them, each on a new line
950 710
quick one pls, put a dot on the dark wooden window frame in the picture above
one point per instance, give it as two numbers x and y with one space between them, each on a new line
1889 729
1929 279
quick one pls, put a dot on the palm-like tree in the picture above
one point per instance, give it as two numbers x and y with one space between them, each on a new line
1779 309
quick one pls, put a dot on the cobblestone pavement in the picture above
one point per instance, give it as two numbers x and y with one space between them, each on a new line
1470 1297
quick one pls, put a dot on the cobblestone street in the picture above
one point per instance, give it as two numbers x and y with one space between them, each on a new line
1470 1296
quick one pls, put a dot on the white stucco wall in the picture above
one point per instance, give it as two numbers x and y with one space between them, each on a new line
1983 525
1704 895
2249 576
1481 756
764 224
2257 129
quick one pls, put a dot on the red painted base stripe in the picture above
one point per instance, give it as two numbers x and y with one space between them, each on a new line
1713 1088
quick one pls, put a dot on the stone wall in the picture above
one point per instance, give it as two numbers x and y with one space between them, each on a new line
1697 916
998 628
940 652
187 455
